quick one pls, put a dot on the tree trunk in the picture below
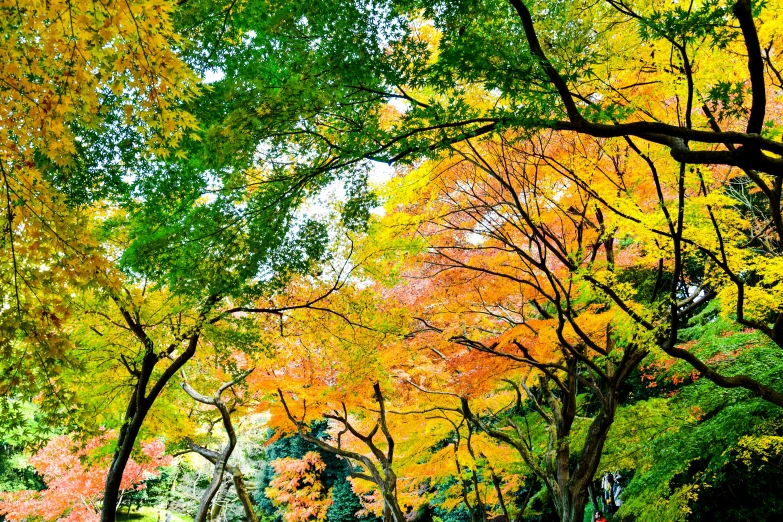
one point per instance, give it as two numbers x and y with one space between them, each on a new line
127 439
220 460
573 506
244 497
217 505
391 509
214 486
566 484
141 401
591 493
499 492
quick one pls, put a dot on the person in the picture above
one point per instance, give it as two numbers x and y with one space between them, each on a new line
607 484
617 490
599 517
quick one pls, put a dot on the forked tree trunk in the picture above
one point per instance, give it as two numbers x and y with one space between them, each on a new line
144 395
138 408
219 459
573 508
384 478
567 483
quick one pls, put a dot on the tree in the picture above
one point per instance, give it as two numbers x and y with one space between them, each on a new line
74 77
509 249
134 342
677 436
74 485
147 387
578 76
299 489
177 344
345 504
376 469
220 460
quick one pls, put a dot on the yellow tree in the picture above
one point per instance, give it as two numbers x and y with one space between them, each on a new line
72 73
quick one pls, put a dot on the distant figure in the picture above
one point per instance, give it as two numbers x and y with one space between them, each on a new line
617 490
168 517
608 485
599 517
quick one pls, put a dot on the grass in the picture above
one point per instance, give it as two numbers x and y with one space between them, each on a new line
150 514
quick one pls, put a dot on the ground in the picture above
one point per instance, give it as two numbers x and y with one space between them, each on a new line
150 514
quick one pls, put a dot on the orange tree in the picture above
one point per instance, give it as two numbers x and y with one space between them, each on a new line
500 238
610 247
329 366
363 368
570 233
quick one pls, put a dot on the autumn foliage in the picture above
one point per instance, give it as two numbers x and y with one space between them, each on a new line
298 488
75 478
573 266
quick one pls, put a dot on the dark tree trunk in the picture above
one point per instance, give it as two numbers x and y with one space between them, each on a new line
567 483
142 400
125 443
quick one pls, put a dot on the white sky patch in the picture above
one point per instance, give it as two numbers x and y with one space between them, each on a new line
322 205
380 173
333 194
474 238
213 75
399 104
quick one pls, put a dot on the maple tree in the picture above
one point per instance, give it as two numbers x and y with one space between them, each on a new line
611 203
75 482
164 333
501 241
220 460
379 469
330 368
328 361
298 488
74 75
594 86
580 187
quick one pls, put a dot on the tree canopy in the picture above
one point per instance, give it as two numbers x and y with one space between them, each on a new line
458 260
